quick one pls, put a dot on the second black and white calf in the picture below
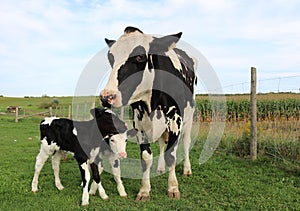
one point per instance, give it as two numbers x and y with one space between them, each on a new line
90 141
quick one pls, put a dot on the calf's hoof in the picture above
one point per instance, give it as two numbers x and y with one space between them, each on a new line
124 197
174 195
60 187
84 204
187 173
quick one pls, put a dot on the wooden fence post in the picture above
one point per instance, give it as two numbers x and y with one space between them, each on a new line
77 110
50 111
122 114
17 114
70 110
253 129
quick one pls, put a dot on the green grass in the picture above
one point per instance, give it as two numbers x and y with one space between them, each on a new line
225 182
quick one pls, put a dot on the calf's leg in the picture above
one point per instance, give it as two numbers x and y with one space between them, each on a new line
41 158
96 184
55 165
85 176
116 171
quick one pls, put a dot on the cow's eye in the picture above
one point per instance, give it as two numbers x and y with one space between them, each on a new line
112 140
141 58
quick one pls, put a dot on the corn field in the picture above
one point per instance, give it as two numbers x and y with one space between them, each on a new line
238 109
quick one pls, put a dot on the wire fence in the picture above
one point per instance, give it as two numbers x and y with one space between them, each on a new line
265 85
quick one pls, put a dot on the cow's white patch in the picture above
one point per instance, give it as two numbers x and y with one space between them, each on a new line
48 120
75 131
174 59
147 157
143 90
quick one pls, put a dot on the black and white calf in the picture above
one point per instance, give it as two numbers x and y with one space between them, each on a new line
158 80
90 141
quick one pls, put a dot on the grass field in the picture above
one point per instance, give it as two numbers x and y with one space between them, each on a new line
224 182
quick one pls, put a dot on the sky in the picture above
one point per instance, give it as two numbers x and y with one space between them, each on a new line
45 45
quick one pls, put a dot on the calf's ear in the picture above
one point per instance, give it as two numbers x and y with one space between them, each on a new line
132 132
96 112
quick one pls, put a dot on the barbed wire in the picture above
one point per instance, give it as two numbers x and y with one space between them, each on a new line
265 85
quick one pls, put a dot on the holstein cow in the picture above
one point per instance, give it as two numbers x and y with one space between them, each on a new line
158 81
90 141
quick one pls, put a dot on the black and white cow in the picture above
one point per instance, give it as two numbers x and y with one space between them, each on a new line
158 81
89 141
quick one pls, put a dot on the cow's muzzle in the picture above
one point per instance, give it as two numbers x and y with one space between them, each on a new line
107 98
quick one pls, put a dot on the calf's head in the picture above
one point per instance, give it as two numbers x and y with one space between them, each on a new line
130 57
113 130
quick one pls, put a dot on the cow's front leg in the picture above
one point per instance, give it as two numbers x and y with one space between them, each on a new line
174 127
116 170
96 184
170 158
146 159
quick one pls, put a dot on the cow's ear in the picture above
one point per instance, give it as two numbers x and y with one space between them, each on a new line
132 132
109 42
165 43
170 39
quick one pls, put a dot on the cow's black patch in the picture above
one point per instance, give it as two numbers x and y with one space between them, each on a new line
141 108
116 165
130 74
111 59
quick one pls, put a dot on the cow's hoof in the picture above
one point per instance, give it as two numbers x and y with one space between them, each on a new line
187 173
35 191
160 171
142 198
85 204
174 195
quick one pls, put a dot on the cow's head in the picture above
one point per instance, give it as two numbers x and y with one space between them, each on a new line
132 75
113 130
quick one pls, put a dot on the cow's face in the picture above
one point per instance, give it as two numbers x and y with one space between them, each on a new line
132 74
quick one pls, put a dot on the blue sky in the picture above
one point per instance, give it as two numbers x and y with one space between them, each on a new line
45 45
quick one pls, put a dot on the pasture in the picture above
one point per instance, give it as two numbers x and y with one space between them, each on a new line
227 181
